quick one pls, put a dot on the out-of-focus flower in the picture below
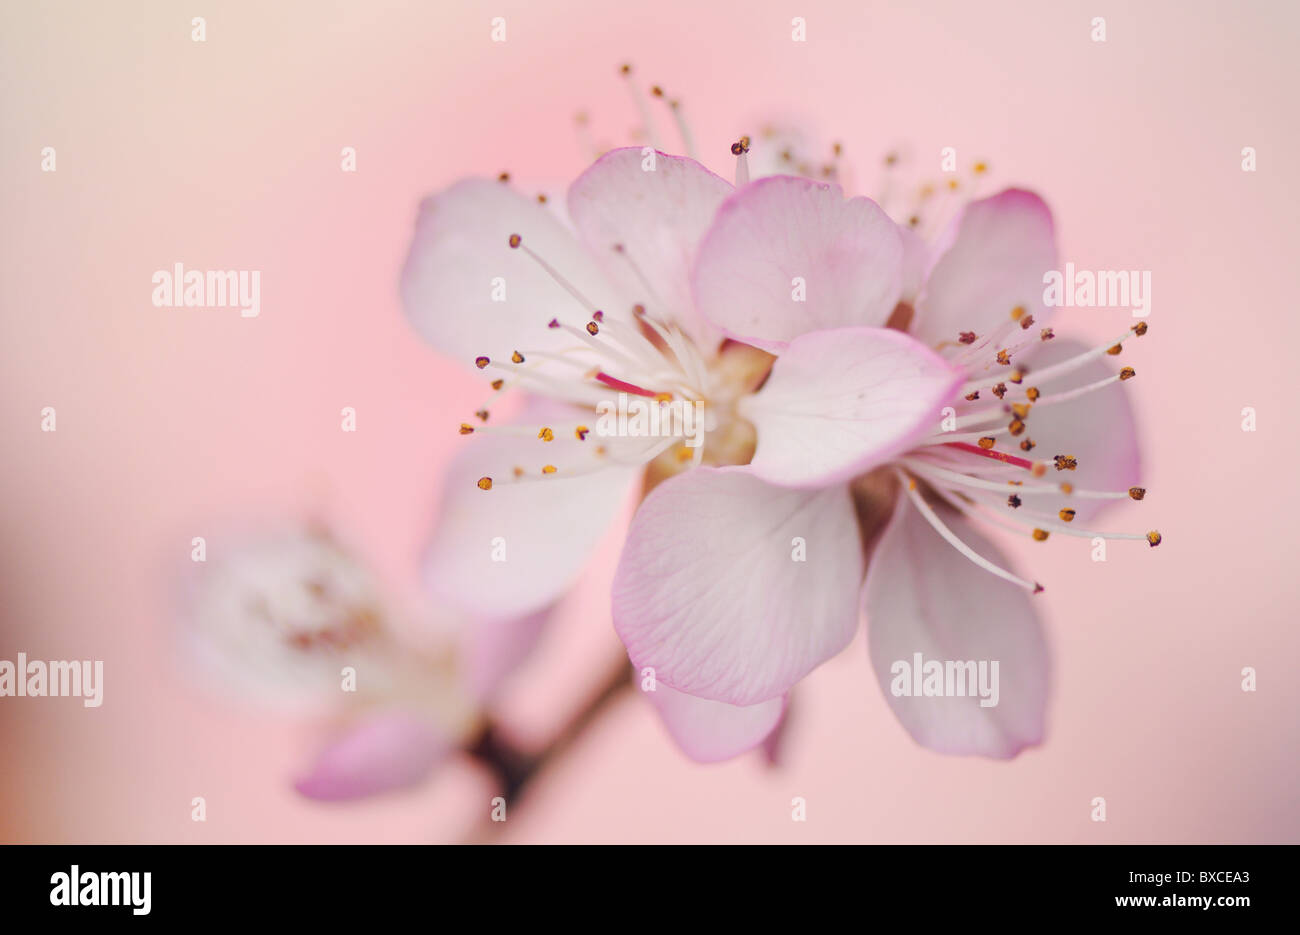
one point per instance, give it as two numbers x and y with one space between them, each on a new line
291 620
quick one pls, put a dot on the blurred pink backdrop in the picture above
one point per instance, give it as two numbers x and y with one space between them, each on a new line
225 154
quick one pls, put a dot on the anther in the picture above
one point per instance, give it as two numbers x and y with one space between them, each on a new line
1154 538
548 469
1027 445
1013 501
482 415
466 429
1067 489
1067 515
1017 427
1032 394
971 397
1128 373
485 483
1017 313
546 434
1027 323
1040 535
1000 390
1113 351
1046 334
967 337
503 177
1140 328
497 384
1004 358
1020 409
481 362
515 241
593 328
1066 462
986 442
1137 493
517 357
1016 376
581 433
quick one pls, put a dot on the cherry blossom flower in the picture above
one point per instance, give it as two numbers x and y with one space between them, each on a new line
834 355
736 582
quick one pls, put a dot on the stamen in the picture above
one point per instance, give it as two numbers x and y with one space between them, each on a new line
740 149
517 243
651 134
1065 366
1078 391
683 128
938 473
909 486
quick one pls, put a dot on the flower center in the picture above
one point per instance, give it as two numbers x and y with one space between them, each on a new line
642 392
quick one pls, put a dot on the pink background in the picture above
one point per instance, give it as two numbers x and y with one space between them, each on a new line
225 154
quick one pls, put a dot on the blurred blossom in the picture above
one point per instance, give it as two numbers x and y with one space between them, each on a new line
293 621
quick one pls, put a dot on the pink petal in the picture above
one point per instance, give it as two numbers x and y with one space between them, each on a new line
841 402
710 595
548 526
461 253
711 731
922 596
1000 247
658 218
492 649
1098 429
386 752
918 256
847 253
